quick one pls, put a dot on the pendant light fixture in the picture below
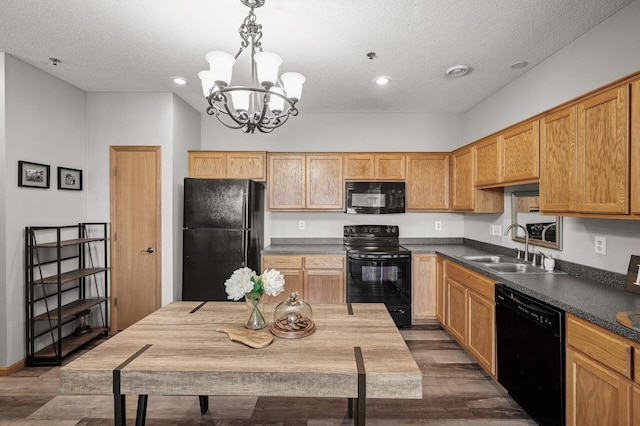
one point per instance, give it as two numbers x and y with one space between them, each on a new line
265 105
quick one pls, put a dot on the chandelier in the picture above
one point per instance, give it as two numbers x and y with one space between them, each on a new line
269 102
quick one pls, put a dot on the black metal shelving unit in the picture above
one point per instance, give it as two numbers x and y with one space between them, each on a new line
66 275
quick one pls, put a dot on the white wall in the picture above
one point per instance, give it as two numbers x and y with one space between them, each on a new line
186 136
3 220
607 52
347 132
46 122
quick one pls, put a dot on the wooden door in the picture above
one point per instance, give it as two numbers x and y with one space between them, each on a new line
428 182
359 166
423 287
325 186
287 180
135 233
520 148
462 190
481 326
455 309
603 153
487 162
390 166
440 291
595 395
635 150
558 161
324 286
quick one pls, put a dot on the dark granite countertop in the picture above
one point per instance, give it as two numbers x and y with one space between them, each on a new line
587 298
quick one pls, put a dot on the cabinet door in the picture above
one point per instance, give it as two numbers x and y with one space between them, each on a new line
207 164
423 287
481 330
462 190
293 281
455 309
635 406
428 182
287 180
325 186
603 153
246 165
558 161
390 166
487 162
324 286
595 395
359 167
520 148
440 291
635 150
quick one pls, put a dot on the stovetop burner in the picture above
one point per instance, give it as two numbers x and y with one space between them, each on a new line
373 239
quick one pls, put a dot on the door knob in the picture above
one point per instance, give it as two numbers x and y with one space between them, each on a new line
148 250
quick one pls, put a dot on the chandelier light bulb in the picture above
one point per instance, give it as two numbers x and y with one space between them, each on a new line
267 65
221 64
276 103
207 82
240 100
292 82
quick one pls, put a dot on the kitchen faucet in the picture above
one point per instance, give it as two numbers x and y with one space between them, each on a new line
526 240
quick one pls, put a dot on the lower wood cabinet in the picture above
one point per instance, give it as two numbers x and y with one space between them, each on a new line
440 291
317 278
599 372
469 311
423 287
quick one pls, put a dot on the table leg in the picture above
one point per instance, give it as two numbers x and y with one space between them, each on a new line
141 414
359 416
350 407
204 403
119 410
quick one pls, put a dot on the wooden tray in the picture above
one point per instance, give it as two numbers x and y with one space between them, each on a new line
252 338
305 327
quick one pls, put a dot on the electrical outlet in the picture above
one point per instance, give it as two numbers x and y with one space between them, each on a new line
302 225
600 246
438 225
495 230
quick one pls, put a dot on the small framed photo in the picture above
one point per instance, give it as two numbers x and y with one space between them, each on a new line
70 179
33 175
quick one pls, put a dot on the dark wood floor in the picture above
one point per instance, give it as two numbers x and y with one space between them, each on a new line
456 391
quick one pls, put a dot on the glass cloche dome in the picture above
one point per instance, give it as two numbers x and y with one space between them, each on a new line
293 318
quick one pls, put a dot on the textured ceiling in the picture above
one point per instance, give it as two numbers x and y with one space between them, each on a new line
138 45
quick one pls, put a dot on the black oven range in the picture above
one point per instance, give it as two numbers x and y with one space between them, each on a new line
379 269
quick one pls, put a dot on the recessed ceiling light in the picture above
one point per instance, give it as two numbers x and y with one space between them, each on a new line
458 70
382 80
518 65
180 81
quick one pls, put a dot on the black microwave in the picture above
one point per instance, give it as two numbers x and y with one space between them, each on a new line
375 197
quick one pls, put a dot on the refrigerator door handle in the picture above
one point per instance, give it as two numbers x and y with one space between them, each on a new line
245 207
245 250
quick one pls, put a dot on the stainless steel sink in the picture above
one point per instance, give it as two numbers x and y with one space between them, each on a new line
495 258
519 268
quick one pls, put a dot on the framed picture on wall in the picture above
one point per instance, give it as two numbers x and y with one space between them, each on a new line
33 175
70 179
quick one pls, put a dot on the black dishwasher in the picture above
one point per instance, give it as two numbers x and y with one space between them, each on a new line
530 352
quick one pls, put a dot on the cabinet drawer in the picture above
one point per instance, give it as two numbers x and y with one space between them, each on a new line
282 262
478 283
612 351
324 262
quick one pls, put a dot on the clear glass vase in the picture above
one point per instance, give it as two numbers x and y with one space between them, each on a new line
255 319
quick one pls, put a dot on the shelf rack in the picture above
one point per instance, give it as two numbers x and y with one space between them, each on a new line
66 274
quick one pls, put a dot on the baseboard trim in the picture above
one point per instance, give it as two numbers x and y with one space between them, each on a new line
6 371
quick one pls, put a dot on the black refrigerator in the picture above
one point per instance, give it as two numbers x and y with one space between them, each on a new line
223 230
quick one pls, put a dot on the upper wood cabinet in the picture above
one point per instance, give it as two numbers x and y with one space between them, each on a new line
428 182
374 166
558 161
520 149
635 150
488 157
603 153
464 195
305 182
227 165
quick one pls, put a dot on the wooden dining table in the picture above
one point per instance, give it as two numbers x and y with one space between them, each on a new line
356 352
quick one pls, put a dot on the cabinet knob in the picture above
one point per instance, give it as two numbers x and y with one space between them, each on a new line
148 250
